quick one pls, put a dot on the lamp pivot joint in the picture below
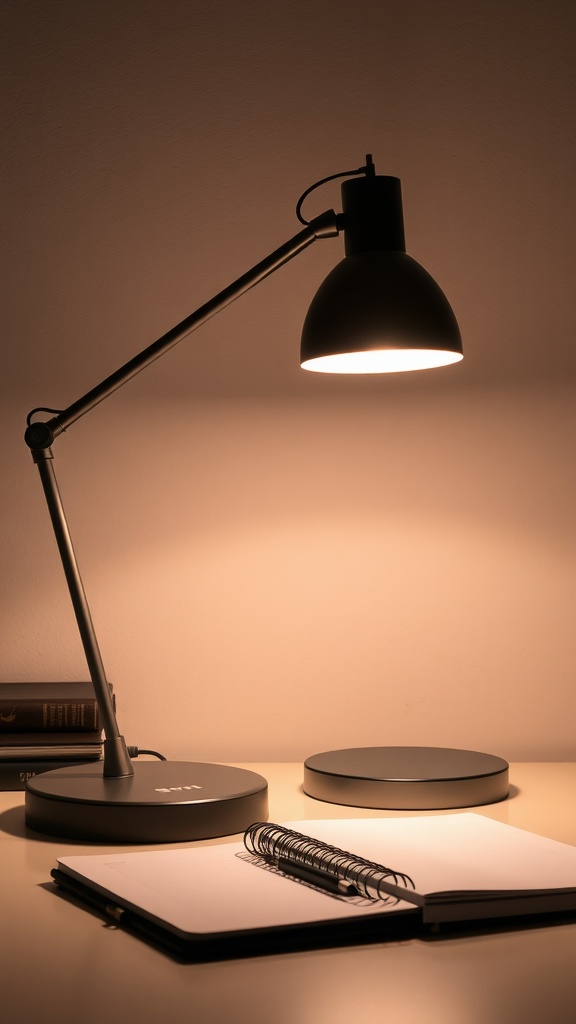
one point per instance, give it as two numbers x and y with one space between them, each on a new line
39 436
326 225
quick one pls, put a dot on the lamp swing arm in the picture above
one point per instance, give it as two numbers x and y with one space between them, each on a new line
40 436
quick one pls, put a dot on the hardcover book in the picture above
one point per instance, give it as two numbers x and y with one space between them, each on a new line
15 774
48 707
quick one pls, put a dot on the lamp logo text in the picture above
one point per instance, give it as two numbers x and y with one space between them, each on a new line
174 789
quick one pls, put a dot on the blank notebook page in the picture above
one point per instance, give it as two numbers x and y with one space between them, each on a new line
220 888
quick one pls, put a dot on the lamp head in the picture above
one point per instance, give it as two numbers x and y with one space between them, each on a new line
378 311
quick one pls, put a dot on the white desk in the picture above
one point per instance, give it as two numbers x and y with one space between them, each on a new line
62 965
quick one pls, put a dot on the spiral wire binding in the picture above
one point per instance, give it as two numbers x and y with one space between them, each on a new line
275 841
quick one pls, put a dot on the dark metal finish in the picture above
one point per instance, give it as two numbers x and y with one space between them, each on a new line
372 214
406 778
163 802
117 763
377 297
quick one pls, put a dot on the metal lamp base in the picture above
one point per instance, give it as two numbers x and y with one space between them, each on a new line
406 778
163 802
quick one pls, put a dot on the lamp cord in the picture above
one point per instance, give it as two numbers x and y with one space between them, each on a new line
368 170
135 751
41 408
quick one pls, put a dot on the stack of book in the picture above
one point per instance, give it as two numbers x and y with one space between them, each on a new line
45 726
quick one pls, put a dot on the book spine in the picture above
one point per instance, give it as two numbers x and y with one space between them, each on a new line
15 774
14 740
49 716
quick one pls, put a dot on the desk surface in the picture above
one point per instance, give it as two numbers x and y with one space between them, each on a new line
62 965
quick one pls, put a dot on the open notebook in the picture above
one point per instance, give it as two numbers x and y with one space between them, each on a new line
214 901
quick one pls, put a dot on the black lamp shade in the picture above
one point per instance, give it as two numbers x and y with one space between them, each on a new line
378 310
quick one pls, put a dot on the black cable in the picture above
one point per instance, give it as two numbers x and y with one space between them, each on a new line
368 169
41 408
134 752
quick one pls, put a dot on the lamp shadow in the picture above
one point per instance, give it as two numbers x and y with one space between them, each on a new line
13 823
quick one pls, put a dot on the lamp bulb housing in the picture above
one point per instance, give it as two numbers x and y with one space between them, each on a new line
378 311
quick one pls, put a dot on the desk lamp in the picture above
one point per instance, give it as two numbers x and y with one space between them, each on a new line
377 311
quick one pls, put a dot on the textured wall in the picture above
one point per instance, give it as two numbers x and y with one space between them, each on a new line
279 562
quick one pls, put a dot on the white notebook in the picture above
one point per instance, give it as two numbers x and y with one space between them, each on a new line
216 900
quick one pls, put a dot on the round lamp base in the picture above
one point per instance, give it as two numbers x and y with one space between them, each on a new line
406 778
163 802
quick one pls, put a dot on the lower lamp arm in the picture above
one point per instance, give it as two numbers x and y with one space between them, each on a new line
40 436
117 763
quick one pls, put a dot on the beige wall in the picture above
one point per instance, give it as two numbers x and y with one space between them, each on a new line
280 563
